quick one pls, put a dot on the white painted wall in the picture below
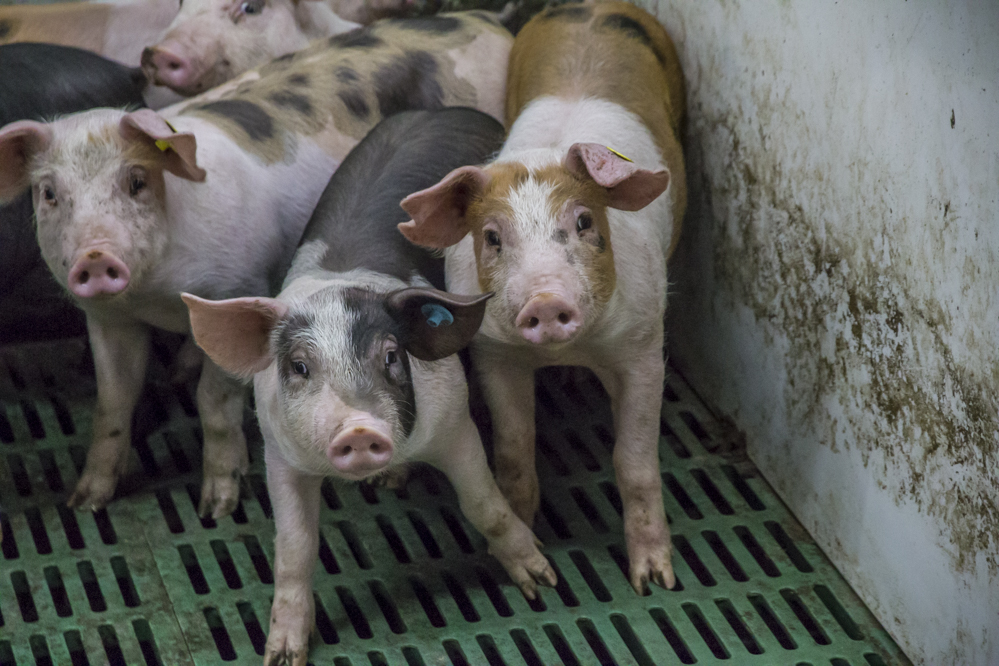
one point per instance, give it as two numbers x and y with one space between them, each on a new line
837 286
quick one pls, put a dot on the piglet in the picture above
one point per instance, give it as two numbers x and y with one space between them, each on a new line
571 227
354 363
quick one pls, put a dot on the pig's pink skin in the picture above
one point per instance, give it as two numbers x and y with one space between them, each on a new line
98 273
212 41
548 317
360 450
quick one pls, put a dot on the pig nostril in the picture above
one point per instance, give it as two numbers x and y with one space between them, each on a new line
563 317
374 447
346 450
84 276
174 66
112 273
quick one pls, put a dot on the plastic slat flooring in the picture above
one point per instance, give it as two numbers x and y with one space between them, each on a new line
402 578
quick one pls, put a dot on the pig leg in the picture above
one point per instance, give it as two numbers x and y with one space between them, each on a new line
509 394
636 399
511 541
120 356
295 497
220 403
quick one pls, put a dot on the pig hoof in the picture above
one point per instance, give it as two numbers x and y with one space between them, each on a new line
531 573
219 496
292 619
654 567
93 491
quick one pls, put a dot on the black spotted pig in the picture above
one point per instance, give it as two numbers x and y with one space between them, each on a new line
571 227
135 208
354 362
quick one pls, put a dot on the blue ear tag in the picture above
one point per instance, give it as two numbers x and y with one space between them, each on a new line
437 315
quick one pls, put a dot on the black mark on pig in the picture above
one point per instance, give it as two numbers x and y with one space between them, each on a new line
433 24
355 103
290 332
292 100
952 122
6 27
359 38
561 237
571 13
299 79
257 124
633 29
408 83
346 75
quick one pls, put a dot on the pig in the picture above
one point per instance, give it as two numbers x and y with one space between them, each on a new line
211 41
40 81
571 227
354 362
134 208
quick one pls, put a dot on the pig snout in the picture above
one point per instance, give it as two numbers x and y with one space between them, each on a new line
166 66
98 273
359 451
548 317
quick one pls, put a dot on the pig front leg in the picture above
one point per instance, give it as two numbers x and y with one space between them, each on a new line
509 394
120 356
511 541
220 403
636 399
295 497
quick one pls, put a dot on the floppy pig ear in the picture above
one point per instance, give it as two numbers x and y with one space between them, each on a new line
179 148
439 212
629 187
236 333
18 142
434 323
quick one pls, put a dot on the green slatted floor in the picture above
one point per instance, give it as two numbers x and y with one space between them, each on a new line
402 579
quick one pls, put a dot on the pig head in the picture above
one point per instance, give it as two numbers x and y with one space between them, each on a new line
212 41
98 193
336 366
541 236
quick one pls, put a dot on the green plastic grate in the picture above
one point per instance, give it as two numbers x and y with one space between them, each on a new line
402 578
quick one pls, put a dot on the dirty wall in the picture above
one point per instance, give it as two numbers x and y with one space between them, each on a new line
836 290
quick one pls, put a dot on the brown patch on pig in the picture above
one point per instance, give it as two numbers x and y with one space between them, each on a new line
494 202
620 54
596 252
341 103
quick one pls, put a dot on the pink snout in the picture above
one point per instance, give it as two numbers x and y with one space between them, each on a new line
98 273
548 317
359 451
166 67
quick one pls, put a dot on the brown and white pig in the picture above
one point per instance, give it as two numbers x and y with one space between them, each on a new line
571 227
354 363
134 208
212 41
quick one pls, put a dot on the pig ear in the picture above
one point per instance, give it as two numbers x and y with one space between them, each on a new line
236 333
18 142
434 323
178 148
440 212
629 187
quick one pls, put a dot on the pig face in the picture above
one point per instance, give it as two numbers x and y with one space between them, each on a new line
541 234
97 185
212 41
342 364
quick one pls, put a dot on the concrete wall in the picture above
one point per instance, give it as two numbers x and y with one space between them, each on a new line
837 287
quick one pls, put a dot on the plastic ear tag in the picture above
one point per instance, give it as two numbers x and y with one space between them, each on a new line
437 315
619 154
162 144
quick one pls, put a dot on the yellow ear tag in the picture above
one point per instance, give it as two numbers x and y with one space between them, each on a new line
618 154
165 145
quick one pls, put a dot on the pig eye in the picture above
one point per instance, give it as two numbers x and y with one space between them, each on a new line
584 222
48 194
251 7
136 184
300 368
492 238
390 357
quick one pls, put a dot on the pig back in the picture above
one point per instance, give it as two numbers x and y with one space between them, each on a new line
358 212
37 82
